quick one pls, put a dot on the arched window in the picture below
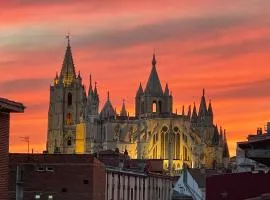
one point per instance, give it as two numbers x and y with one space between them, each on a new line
69 141
154 107
69 99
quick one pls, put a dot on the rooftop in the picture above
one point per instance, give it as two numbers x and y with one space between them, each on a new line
10 106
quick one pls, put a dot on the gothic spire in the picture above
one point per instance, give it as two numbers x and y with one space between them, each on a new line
183 110
210 110
166 91
153 86
139 91
123 111
96 92
194 114
221 136
68 73
203 108
189 111
90 91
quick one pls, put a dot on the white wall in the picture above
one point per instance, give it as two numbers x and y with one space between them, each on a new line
154 187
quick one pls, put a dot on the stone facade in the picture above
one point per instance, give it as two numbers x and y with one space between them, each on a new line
155 132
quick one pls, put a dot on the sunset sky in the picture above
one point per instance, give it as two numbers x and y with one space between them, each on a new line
222 46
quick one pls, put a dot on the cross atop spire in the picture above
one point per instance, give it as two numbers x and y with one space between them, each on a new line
68 38
154 62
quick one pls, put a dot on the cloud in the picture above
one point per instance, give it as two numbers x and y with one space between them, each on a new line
24 85
258 45
180 29
246 90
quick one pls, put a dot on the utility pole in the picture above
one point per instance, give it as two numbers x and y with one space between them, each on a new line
26 139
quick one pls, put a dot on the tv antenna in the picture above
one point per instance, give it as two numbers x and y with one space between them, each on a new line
26 139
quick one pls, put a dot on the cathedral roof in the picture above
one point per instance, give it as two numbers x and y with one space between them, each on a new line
107 110
68 73
153 86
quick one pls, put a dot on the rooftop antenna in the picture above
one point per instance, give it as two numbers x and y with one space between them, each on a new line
26 139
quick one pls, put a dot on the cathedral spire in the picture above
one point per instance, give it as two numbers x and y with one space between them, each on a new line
90 91
166 91
203 109
153 86
210 110
140 90
123 111
189 111
183 110
194 115
68 73
154 62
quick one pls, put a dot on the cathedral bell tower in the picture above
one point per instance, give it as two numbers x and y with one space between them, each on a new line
67 102
153 101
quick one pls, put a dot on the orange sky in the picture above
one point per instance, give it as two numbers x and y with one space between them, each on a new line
223 46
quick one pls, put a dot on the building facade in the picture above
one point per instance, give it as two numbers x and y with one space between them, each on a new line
51 176
6 107
76 124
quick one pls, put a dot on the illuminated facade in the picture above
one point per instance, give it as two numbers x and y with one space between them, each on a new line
155 132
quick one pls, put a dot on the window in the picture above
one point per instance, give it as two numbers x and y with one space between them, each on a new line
40 169
50 197
69 141
64 189
85 182
154 107
49 169
69 99
37 196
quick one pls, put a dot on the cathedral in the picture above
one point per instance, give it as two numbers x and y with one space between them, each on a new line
76 124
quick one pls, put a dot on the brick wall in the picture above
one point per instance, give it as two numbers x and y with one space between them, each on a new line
70 177
4 142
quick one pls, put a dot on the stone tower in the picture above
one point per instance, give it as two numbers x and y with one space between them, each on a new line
67 103
153 101
92 102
